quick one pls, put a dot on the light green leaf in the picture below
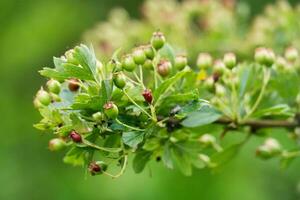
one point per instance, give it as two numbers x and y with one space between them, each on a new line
281 109
205 115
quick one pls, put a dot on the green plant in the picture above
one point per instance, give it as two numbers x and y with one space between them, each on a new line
179 117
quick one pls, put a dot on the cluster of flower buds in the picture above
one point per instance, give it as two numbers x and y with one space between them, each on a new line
44 98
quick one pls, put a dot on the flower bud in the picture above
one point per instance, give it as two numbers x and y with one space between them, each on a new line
43 97
119 80
220 90
209 83
204 60
229 60
147 94
98 116
164 67
111 110
269 149
281 63
264 56
139 56
53 86
73 85
291 54
219 67
128 63
148 64
76 137
37 104
149 52
158 40
180 62
207 140
56 144
97 167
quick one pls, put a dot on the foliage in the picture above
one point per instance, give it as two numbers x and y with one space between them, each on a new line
105 112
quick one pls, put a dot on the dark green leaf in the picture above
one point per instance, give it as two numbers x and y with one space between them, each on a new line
132 138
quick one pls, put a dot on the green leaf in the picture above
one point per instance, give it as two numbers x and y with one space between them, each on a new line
281 109
53 73
166 157
166 85
75 156
74 71
205 115
132 138
151 144
87 59
105 92
140 160
182 160
226 155
167 52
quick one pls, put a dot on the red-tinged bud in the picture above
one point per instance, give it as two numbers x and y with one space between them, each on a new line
204 60
139 56
291 54
56 144
164 67
147 94
264 56
219 67
73 85
97 167
43 97
111 110
128 63
158 40
94 168
180 62
229 60
76 137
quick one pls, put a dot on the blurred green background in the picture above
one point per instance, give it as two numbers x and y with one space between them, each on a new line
31 33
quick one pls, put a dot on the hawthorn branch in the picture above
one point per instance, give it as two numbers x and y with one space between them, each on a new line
260 123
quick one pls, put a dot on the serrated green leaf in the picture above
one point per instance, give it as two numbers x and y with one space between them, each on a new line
74 71
166 85
132 138
151 144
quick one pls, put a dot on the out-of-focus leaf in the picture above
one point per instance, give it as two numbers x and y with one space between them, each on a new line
281 109
226 155
140 160
166 157
182 160
75 156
